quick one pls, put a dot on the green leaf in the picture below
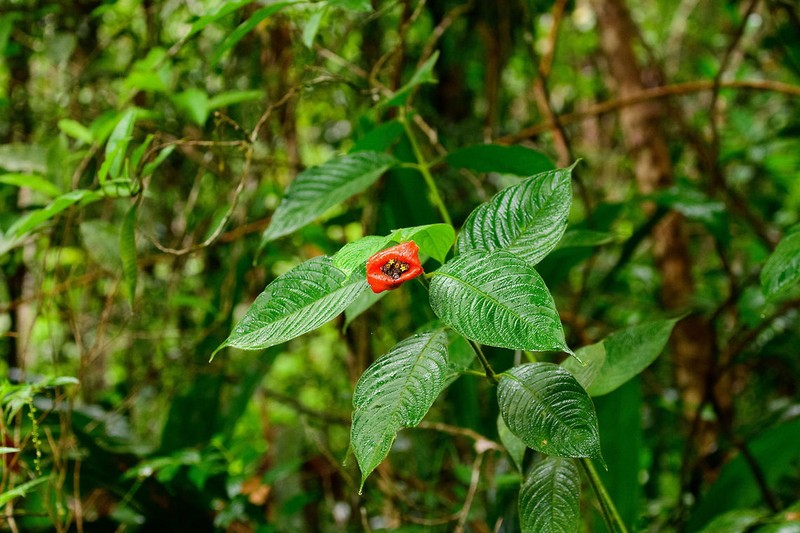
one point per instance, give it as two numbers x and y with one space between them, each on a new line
738 521
782 269
150 167
295 303
547 408
101 242
361 6
76 130
34 219
312 25
233 97
424 74
396 392
379 139
527 219
23 158
30 181
244 28
355 254
434 240
628 352
584 238
513 444
517 160
593 358
20 491
550 498
317 189
194 104
216 13
117 146
498 299
127 251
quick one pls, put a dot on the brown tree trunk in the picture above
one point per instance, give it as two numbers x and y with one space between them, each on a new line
642 128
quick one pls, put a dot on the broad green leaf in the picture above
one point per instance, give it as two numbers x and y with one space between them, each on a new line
502 159
738 521
434 240
628 352
379 139
233 97
216 13
153 73
76 130
782 269
117 146
295 303
736 488
317 189
396 392
127 251
593 358
498 299
584 238
550 498
20 491
424 74
312 25
32 220
547 408
30 181
244 28
194 104
513 444
355 254
527 219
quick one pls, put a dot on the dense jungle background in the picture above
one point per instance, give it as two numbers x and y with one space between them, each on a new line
145 145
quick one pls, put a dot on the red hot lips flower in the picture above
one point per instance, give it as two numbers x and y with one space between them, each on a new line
390 268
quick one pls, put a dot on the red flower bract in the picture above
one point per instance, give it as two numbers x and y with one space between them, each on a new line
390 268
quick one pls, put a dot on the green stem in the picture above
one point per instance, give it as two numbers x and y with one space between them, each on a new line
425 169
485 362
610 514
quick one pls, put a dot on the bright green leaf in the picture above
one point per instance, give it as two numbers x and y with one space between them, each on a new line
517 160
76 130
317 189
30 181
244 28
498 299
593 358
20 491
738 521
527 219
312 25
361 6
782 269
233 97
295 303
117 145
379 139
424 74
32 220
513 444
355 254
547 408
396 392
434 240
127 251
216 13
194 104
550 498
5 449
150 167
584 238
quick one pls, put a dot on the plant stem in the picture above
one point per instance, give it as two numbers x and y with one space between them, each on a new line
485 362
610 514
424 169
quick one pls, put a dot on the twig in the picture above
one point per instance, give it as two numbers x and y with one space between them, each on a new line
473 488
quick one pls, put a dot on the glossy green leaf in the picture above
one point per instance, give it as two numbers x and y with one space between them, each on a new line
76 130
550 498
127 251
628 352
355 254
295 303
498 299
434 240
527 219
738 521
244 28
516 159
547 408
513 444
396 392
317 189
782 269
30 181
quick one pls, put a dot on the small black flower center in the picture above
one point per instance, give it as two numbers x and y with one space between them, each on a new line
394 268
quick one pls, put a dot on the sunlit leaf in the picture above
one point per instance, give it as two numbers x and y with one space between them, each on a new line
782 269
527 219
295 303
434 240
317 189
20 491
547 408
30 181
76 130
355 254
498 299
396 392
32 220
117 146
516 159
312 24
550 498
